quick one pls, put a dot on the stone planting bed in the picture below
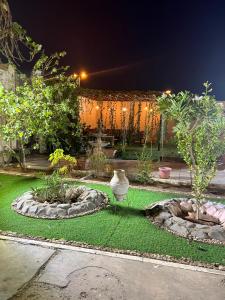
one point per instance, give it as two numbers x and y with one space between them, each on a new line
80 201
164 215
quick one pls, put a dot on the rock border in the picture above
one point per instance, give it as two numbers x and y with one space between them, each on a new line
162 215
87 202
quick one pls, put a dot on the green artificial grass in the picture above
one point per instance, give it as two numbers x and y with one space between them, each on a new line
126 228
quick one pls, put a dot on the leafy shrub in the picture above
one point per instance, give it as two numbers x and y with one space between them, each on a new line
97 161
66 162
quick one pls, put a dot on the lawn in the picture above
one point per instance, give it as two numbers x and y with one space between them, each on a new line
126 229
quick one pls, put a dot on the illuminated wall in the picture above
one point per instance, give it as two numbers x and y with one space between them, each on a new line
117 114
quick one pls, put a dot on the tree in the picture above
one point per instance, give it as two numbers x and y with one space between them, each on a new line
199 130
43 106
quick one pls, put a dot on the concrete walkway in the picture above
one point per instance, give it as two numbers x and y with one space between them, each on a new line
42 272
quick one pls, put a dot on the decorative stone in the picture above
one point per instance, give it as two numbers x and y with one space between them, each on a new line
175 209
184 226
51 212
41 212
25 209
72 211
217 233
84 201
61 212
211 210
20 204
186 206
33 209
222 216
162 217
64 205
181 230
199 234
168 222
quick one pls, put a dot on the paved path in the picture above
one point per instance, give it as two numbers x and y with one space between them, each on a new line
38 272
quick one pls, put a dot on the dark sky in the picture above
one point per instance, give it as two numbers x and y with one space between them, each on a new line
147 44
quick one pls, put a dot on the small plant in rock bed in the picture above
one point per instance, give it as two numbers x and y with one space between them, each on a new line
54 189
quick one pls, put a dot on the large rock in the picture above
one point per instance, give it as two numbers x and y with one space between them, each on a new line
162 217
180 230
217 233
199 234
173 214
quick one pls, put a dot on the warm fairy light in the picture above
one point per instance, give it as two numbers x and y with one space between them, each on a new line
168 92
83 75
124 109
97 107
150 110
75 76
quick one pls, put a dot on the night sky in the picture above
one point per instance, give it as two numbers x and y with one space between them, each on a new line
154 45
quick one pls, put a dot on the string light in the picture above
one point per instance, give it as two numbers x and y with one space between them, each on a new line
124 109
97 107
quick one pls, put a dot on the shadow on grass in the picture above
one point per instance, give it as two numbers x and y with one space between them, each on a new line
125 211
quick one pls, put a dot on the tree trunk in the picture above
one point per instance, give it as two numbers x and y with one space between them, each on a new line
22 157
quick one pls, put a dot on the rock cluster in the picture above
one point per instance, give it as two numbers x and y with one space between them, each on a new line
168 214
79 201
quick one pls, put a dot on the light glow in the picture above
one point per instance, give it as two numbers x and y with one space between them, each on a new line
83 75
168 92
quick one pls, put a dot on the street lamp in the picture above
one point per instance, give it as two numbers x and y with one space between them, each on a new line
78 77
168 92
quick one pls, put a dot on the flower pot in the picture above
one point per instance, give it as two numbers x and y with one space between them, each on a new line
164 172
119 185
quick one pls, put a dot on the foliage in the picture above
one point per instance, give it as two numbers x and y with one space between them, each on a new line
14 39
40 107
144 168
54 189
199 130
66 162
97 161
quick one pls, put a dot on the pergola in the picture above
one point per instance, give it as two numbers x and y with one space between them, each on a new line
117 111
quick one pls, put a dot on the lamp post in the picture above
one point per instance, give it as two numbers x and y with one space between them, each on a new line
78 77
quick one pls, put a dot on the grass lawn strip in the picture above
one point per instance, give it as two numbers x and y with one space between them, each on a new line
125 229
